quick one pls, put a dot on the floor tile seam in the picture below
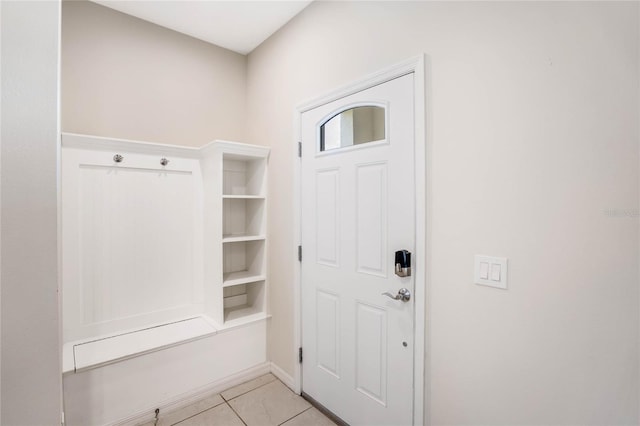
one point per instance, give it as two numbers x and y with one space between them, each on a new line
236 413
264 384
200 412
291 418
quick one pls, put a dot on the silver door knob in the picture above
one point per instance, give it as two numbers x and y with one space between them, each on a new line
403 294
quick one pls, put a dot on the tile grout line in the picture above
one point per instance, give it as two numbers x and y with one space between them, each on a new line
234 411
197 414
226 401
291 418
265 384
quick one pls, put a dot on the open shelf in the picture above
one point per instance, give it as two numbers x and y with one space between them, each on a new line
243 197
243 175
244 301
244 256
242 277
242 217
238 238
242 315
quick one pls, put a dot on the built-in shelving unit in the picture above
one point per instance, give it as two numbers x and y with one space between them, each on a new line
164 257
237 182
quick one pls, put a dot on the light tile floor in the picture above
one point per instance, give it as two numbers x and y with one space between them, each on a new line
264 401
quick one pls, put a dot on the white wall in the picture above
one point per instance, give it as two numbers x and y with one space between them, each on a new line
533 127
123 77
31 381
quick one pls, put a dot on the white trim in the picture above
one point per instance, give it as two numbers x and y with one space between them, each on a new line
181 401
78 141
238 148
422 285
297 241
415 65
283 376
382 76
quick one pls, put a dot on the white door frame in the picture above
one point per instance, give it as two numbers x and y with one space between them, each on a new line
415 65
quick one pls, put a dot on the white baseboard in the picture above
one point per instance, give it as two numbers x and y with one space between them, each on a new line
189 398
283 376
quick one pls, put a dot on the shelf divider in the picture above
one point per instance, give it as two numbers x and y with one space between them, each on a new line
239 238
244 197
242 277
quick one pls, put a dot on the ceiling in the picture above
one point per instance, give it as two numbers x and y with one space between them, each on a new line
235 25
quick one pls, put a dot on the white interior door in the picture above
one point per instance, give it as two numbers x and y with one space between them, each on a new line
358 209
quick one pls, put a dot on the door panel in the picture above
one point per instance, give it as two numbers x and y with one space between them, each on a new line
357 210
371 352
327 208
328 332
371 218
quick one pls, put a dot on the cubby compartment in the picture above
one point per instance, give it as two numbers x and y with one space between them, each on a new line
243 301
243 261
243 219
243 176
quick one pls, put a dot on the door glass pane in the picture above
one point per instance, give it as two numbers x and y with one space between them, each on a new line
354 126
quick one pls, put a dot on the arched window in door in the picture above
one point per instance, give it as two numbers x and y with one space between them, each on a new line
354 126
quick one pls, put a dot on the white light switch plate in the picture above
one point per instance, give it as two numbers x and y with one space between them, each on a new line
497 273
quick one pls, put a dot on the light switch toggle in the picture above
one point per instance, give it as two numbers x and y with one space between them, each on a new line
484 270
490 271
495 272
